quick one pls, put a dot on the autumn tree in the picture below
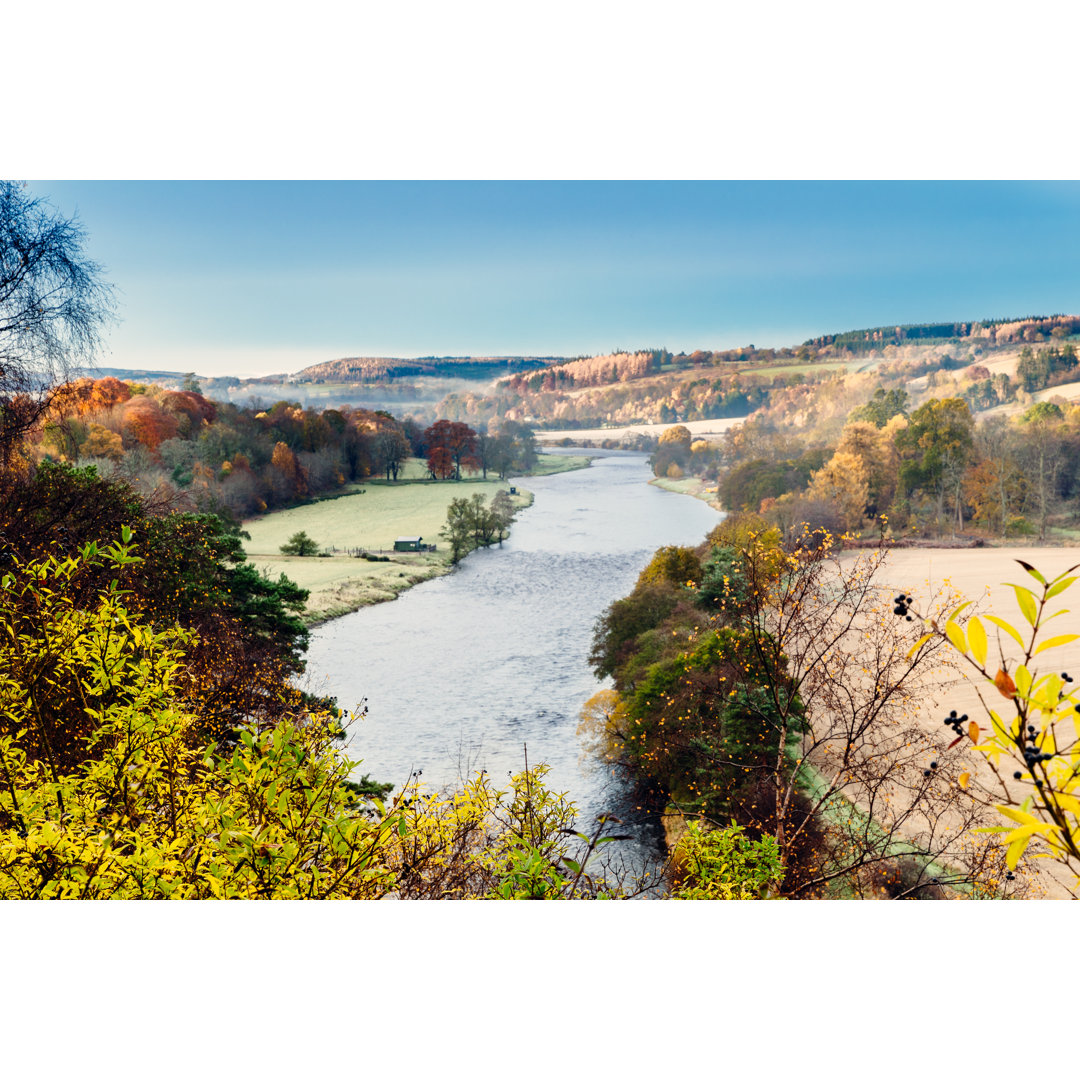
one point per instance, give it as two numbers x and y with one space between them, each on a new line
1043 451
146 423
876 449
995 486
54 305
673 448
844 481
289 476
882 407
102 443
513 447
936 447
390 450
451 447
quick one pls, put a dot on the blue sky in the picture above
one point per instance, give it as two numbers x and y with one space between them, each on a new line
240 277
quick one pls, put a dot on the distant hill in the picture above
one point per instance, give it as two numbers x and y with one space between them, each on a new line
373 368
135 374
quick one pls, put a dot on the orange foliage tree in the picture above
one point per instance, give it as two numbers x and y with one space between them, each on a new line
146 423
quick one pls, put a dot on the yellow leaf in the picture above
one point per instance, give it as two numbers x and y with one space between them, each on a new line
1007 628
956 636
1058 586
977 638
1016 849
963 779
956 611
1026 599
1023 681
973 731
1018 816
1032 571
1054 642
918 645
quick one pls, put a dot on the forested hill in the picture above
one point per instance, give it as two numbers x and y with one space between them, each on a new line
366 368
653 385
992 331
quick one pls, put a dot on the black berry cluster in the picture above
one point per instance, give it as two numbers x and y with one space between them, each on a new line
1032 757
956 722
903 604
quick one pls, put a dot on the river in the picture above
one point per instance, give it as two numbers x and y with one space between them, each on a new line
460 673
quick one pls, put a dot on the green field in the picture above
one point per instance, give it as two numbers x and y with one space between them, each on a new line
372 515
372 518
546 465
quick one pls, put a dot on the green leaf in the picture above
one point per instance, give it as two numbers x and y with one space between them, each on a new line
1059 587
977 640
1007 628
956 611
1026 599
1054 642
1032 571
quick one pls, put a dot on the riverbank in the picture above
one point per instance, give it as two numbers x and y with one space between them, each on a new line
369 518
693 486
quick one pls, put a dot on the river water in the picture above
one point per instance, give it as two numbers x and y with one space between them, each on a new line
460 673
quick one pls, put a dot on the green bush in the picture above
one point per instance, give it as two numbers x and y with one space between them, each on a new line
725 864
300 544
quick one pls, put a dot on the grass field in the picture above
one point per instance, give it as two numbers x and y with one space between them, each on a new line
372 516
546 464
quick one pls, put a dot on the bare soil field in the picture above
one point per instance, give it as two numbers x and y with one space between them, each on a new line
979 574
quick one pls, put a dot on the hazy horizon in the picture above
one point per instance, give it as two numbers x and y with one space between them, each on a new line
264 277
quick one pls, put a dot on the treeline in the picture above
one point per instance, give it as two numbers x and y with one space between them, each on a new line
242 461
925 471
995 331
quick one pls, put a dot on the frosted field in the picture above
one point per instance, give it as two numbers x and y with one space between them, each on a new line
372 518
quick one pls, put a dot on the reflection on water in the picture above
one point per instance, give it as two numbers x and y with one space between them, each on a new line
461 672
